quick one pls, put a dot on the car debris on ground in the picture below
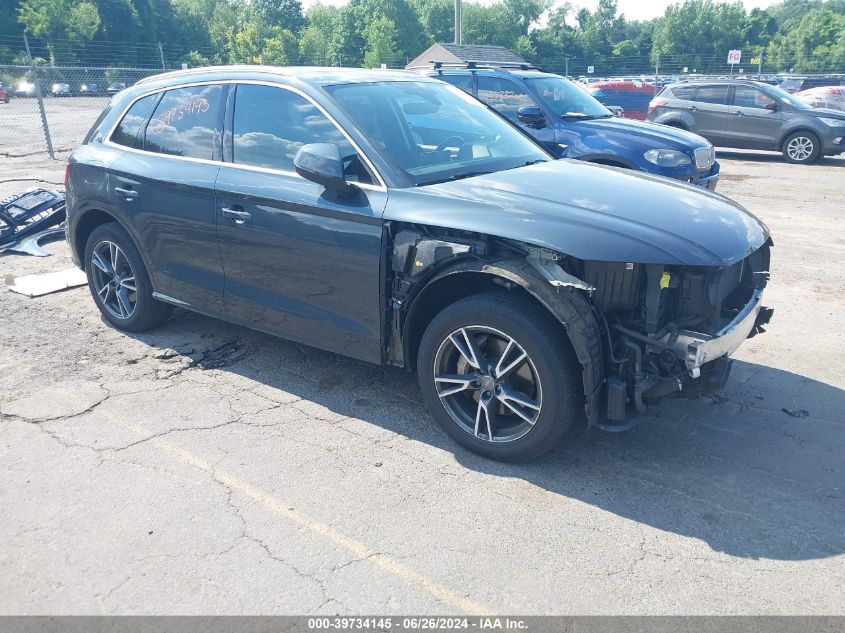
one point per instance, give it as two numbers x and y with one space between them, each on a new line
45 283
28 219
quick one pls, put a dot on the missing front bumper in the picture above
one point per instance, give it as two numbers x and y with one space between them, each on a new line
696 348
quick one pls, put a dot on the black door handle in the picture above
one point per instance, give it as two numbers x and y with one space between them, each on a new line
123 192
693 108
240 217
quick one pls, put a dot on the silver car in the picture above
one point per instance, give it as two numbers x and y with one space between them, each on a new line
751 115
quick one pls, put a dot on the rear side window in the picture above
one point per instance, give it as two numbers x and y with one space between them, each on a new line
684 92
464 82
128 131
185 122
712 94
271 124
504 96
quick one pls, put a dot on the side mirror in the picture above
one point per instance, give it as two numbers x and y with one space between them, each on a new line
772 107
322 163
531 115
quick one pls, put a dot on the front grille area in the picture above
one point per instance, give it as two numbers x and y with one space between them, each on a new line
703 158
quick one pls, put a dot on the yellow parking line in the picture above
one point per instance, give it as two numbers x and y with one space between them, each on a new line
359 549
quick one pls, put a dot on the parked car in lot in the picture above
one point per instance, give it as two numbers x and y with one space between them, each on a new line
90 90
342 209
631 95
25 89
60 90
5 93
115 87
831 97
751 115
796 84
572 124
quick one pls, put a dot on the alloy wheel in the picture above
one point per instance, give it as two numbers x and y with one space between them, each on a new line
488 384
800 148
114 280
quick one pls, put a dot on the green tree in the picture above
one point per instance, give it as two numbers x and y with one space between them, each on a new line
381 35
284 13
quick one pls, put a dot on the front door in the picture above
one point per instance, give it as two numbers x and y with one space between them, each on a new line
750 124
507 97
300 261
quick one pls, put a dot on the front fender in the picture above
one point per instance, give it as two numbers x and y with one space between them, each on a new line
570 306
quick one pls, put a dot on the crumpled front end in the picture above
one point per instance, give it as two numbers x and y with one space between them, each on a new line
671 329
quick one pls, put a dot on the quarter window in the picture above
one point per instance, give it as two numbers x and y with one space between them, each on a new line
504 96
271 124
687 93
712 94
127 132
185 122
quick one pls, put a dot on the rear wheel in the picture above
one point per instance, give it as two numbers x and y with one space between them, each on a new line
500 377
118 281
801 147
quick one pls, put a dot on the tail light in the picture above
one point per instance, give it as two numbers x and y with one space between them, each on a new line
67 171
656 103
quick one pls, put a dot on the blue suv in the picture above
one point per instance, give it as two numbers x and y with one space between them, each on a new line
572 124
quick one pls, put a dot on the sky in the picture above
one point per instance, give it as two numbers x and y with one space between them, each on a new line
632 9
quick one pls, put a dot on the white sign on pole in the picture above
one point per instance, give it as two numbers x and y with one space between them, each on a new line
686 70
590 69
734 57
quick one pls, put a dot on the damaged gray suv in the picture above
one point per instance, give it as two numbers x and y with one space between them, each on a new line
397 220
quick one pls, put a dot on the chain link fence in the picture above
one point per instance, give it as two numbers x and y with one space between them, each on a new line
54 98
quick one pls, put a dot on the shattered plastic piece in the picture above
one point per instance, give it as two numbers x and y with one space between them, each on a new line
45 283
27 213
32 245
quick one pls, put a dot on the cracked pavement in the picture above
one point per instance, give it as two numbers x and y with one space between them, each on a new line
203 468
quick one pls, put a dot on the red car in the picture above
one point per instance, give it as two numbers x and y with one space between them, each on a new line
5 94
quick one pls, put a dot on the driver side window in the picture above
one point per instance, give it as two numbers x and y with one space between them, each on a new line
271 124
504 96
748 97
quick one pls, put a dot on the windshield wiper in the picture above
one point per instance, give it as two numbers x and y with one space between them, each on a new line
459 176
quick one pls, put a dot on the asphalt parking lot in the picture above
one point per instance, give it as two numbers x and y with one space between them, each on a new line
206 468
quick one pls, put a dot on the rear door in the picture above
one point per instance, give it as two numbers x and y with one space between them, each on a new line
709 110
750 124
164 183
299 261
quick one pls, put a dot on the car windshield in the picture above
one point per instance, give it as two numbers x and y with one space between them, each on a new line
566 99
783 95
434 132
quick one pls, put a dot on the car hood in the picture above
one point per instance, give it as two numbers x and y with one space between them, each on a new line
652 134
827 113
591 212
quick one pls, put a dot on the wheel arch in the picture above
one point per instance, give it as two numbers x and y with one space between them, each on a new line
569 306
89 220
801 128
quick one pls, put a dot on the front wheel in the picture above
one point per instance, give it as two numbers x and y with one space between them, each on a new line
801 147
500 377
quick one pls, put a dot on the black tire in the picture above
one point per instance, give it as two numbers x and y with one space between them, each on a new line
678 125
557 386
801 147
146 311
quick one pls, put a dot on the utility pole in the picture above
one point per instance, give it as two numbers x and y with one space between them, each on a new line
458 21
566 73
40 96
161 54
656 73
760 66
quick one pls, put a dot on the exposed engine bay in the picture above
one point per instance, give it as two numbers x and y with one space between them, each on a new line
662 330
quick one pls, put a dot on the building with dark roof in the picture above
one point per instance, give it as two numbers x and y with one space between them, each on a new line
463 53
